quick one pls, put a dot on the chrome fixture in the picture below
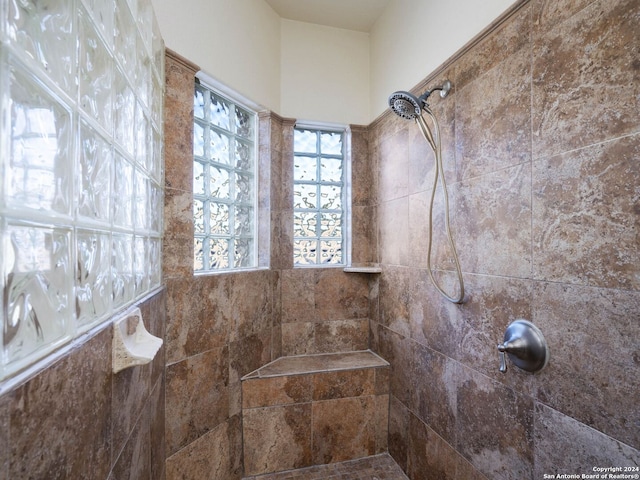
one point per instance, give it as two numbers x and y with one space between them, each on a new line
525 345
410 107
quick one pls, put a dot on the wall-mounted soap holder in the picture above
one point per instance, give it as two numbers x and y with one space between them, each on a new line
132 343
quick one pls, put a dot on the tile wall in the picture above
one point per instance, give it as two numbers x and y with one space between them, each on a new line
221 327
541 145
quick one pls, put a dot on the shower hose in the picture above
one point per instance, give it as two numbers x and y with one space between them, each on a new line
434 142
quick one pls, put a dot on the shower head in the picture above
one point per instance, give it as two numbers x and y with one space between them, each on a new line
407 105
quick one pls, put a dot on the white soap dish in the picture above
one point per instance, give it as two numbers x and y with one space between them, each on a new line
132 343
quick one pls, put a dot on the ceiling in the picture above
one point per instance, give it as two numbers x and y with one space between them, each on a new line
359 15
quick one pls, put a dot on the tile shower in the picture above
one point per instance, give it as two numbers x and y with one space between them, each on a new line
528 141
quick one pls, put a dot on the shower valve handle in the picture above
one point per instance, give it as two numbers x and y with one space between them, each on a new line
525 345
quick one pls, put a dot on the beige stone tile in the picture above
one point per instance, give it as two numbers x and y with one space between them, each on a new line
342 384
271 391
585 76
593 341
493 118
277 438
494 427
207 457
60 421
349 435
197 397
585 216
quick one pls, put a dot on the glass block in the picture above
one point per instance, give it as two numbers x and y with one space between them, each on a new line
156 206
44 30
141 201
198 103
122 201
331 169
122 281
155 262
124 113
304 224
331 225
219 182
140 262
38 293
243 188
40 148
156 170
141 138
305 252
219 112
305 141
218 147
102 14
198 216
218 253
198 140
157 48
125 39
331 143
198 254
305 168
330 252
219 218
144 16
95 75
157 99
94 175
244 123
243 253
93 280
143 73
244 156
331 197
243 221
305 196
198 178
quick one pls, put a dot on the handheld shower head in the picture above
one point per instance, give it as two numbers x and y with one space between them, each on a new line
405 105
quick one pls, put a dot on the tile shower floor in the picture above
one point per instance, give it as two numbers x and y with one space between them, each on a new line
377 467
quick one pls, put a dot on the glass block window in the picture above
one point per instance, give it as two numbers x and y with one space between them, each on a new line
81 187
224 183
319 205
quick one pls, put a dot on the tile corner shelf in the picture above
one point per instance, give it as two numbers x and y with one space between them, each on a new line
363 268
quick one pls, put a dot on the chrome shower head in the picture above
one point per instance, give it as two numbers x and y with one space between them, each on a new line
405 105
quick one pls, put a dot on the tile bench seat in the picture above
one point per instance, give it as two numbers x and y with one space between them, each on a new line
313 410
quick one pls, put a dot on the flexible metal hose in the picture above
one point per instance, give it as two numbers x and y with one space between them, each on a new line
434 142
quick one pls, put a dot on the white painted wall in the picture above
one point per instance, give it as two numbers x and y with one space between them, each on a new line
325 73
318 73
235 42
414 37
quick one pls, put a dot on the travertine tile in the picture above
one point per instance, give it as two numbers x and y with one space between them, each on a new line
593 341
584 209
378 467
393 233
61 419
583 447
350 435
341 384
585 76
281 390
133 460
207 457
492 221
340 295
429 457
197 397
341 335
494 427
277 438
434 396
394 171
493 118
